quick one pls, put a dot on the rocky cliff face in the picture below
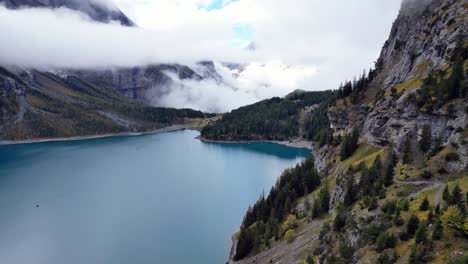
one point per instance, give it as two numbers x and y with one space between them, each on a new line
422 36
12 89
422 40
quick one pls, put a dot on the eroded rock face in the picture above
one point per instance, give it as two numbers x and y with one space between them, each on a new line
423 35
422 39
323 157
12 88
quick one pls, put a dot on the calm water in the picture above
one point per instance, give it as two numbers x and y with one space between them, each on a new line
165 198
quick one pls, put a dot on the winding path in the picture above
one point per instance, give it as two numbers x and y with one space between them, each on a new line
432 185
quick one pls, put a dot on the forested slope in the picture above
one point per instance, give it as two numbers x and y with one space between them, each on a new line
272 119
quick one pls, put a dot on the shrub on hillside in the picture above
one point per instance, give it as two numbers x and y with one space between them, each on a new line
289 235
385 240
452 156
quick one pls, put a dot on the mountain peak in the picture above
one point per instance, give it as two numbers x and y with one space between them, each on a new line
96 10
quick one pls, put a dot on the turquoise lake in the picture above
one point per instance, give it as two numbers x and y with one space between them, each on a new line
165 198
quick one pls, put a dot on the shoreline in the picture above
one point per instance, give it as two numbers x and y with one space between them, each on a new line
301 144
172 128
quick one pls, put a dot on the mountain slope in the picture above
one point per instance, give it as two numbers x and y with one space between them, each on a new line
97 11
36 105
271 119
145 84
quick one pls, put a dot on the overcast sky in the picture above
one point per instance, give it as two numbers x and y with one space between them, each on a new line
313 44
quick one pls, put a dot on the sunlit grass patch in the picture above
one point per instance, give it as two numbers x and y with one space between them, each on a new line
404 246
423 66
453 26
409 85
365 153
406 172
402 190
463 183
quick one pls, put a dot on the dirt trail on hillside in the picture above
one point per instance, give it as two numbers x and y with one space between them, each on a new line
432 185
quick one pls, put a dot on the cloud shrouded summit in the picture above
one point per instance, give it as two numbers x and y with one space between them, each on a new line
99 10
332 41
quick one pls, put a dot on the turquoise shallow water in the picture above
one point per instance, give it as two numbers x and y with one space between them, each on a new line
165 198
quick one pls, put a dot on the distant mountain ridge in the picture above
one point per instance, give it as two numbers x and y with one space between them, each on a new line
36 104
96 11
51 103
42 105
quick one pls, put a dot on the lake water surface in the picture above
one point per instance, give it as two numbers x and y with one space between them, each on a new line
158 199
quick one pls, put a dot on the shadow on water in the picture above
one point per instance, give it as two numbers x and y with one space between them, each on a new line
272 149
28 151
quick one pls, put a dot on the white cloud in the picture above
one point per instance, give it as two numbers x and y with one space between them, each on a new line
339 38
63 38
330 40
255 82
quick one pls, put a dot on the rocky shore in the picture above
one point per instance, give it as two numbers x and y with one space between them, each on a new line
296 143
123 134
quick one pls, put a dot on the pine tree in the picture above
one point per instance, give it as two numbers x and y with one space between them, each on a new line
377 166
421 233
437 146
407 151
324 198
349 144
457 198
438 231
453 86
424 205
452 219
414 255
350 192
412 225
446 195
455 80
344 151
459 52
354 140
437 209
430 217
405 206
316 210
390 170
365 182
245 244
372 203
425 141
